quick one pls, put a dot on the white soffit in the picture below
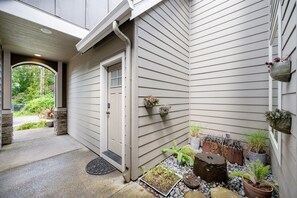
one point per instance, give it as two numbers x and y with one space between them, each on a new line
31 14
140 6
120 13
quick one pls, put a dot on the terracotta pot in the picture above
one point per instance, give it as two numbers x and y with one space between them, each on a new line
211 147
233 155
253 192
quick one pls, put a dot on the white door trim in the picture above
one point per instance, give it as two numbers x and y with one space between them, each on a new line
119 58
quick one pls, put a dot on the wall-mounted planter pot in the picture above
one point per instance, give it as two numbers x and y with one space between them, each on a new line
147 105
164 110
281 125
281 71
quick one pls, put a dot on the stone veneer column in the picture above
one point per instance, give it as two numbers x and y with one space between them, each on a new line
7 127
60 121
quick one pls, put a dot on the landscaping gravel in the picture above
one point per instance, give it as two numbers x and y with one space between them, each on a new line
180 189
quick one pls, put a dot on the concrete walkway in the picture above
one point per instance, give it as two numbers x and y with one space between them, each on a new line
46 165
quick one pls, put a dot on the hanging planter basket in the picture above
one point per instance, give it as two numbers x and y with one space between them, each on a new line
279 120
281 71
281 125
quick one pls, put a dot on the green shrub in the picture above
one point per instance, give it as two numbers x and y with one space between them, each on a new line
258 141
39 104
31 125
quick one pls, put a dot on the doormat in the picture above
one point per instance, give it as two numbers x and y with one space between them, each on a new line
99 166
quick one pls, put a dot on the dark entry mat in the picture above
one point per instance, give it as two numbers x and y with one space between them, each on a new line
99 166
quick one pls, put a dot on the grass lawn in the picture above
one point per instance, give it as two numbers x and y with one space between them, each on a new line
30 125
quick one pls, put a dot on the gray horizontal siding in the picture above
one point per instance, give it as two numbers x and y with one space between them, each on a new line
163 59
286 172
228 79
83 87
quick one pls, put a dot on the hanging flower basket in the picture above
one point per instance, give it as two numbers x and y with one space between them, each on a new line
163 110
150 101
279 120
280 70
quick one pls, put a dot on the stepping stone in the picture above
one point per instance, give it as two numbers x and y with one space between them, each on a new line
220 192
194 194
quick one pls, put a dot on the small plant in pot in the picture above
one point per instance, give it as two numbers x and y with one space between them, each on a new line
48 115
194 136
279 120
254 182
150 101
257 142
164 110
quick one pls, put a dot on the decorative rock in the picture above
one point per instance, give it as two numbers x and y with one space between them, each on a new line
210 167
191 180
194 194
223 193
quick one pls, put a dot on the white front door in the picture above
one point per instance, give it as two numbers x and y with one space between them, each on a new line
114 113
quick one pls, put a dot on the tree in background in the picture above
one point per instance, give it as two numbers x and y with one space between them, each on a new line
31 82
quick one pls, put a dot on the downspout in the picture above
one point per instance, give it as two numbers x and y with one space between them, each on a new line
126 40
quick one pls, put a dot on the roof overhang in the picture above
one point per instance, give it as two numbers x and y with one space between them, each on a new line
143 6
121 13
34 15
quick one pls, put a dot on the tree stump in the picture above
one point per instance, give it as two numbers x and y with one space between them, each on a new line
210 167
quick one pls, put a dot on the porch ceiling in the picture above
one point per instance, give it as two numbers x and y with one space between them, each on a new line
25 37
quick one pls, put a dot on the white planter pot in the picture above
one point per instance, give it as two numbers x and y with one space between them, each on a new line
49 123
195 142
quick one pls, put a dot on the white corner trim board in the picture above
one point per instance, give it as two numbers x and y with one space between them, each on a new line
120 13
141 6
31 14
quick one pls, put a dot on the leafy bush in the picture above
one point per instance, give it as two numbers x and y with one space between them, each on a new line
39 104
184 155
31 125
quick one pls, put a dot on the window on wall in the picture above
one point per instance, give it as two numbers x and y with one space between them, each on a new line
116 78
275 86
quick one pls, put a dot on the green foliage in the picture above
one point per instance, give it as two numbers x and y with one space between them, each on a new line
183 155
257 141
23 113
26 83
194 130
256 174
39 104
30 125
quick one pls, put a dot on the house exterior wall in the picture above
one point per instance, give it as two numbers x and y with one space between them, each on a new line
162 58
228 78
84 13
83 89
286 172
1 64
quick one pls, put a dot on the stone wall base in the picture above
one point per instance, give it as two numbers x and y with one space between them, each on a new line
60 121
7 128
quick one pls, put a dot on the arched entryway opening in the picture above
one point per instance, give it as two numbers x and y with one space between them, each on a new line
33 96
12 61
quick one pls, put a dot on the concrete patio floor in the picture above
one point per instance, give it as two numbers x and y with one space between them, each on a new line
41 164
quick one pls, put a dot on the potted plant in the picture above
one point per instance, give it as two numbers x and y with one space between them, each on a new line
163 110
280 69
160 179
257 142
48 115
279 120
226 147
150 101
254 182
194 136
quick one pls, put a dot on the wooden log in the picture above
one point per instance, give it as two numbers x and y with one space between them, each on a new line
210 167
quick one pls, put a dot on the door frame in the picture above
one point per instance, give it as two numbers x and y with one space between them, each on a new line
119 58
